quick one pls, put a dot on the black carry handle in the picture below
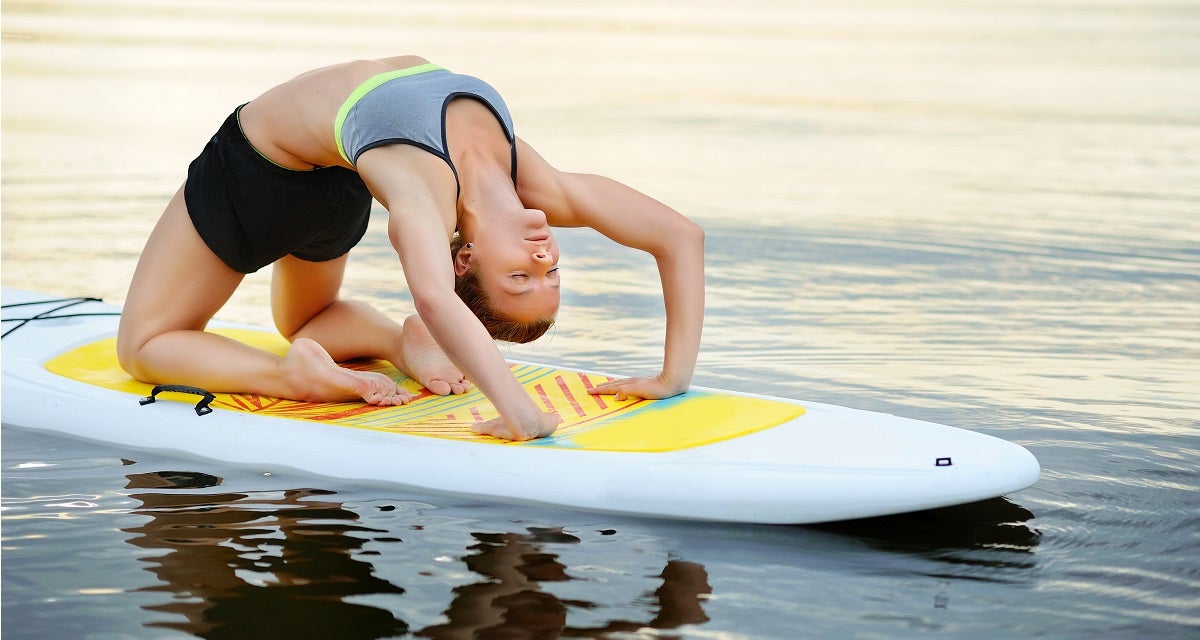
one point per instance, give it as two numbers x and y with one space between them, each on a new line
201 407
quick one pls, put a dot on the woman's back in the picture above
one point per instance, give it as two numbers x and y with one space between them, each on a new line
292 124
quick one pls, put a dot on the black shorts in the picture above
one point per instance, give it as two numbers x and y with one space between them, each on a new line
252 212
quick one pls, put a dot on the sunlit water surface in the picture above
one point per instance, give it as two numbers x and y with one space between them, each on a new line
981 214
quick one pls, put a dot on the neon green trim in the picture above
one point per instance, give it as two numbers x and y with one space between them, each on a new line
365 88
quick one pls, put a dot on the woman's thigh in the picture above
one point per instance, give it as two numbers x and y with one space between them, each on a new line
179 283
301 289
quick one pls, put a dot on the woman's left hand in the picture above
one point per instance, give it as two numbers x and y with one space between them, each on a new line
649 388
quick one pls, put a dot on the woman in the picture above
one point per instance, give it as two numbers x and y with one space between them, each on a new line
288 181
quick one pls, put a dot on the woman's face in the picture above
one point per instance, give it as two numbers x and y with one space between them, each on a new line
519 268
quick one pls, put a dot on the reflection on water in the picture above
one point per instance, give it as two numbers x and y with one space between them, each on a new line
278 564
290 564
993 535
510 603
299 563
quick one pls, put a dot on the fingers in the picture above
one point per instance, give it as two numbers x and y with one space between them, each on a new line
551 427
646 388
611 387
491 428
498 428
625 389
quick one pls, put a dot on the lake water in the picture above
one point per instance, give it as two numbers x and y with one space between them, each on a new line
978 213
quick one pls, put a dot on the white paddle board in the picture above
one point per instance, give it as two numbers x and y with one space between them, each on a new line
705 455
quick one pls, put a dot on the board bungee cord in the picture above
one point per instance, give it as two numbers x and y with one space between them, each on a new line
64 303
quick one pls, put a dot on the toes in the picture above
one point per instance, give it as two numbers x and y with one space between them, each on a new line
388 399
443 387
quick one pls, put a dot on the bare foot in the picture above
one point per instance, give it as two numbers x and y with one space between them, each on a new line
423 360
315 377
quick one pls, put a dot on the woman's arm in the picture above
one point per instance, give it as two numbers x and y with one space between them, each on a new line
641 222
419 234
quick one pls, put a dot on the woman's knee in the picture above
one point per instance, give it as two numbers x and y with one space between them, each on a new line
129 350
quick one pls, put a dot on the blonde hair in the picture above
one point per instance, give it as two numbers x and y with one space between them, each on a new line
469 288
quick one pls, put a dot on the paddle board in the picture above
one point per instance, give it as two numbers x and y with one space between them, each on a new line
705 455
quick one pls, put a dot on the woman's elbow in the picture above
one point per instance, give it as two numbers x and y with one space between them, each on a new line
683 240
690 232
432 303
426 306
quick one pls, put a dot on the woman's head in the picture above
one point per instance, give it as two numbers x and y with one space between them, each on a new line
510 283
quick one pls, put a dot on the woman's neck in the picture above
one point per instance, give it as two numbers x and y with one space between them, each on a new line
486 192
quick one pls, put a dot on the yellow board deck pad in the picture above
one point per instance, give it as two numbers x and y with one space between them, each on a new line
595 423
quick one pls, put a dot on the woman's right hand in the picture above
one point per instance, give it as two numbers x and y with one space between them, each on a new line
540 425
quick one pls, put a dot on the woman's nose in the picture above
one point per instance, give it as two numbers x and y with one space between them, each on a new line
542 256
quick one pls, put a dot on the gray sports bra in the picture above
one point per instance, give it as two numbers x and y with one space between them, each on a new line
408 106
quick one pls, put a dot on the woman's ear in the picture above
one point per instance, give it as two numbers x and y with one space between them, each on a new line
462 261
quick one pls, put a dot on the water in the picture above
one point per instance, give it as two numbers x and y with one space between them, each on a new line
981 214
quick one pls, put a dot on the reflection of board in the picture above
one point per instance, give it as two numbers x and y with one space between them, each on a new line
708 454
592 422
